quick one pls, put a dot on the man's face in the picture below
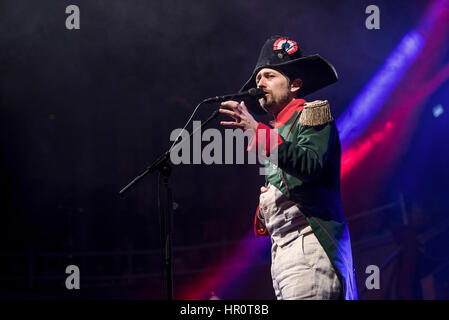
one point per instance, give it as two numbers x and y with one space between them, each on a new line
277 88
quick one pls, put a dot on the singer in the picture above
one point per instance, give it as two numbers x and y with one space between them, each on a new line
300 204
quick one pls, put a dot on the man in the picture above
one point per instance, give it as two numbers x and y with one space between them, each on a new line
300 205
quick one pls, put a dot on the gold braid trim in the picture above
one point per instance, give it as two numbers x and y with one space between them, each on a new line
316 113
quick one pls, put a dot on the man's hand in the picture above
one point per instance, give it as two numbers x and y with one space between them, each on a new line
263 189
243 119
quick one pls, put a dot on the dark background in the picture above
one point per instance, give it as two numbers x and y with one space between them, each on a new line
84 111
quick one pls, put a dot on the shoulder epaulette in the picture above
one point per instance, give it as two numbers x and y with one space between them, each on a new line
316 113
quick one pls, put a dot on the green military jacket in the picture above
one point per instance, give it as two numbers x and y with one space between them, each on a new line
308 173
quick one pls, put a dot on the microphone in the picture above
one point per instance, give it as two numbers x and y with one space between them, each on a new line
253 93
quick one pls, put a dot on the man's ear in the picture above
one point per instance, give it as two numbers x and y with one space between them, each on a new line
295 85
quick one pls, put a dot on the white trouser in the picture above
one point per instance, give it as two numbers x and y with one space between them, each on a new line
302 270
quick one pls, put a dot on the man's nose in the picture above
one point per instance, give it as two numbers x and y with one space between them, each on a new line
261 83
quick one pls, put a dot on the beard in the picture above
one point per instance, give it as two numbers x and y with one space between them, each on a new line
273 104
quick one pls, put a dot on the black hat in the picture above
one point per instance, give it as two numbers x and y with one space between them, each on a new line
284 54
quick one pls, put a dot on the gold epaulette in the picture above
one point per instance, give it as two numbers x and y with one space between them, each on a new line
316 113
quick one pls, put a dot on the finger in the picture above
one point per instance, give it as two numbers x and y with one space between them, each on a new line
227 112
230 113
232 124
263 189
244 106
239 108
230 104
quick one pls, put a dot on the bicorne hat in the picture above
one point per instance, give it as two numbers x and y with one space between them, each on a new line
284 55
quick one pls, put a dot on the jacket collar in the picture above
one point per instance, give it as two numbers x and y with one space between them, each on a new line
285 114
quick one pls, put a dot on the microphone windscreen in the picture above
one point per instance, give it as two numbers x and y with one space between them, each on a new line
256 92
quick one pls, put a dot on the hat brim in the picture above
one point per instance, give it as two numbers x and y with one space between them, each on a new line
315 72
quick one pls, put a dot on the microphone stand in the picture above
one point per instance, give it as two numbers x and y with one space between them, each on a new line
162 164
